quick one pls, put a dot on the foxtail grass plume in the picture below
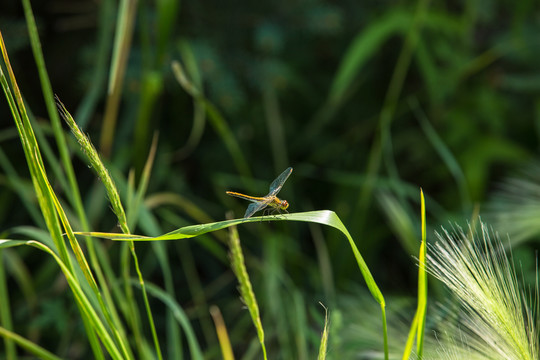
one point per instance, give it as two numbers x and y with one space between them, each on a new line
495 319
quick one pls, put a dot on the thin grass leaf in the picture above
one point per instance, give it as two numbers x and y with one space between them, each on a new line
444 153
26 344
223 336
122 41
422 283
380 145
199 113
181 318
216 119
5 310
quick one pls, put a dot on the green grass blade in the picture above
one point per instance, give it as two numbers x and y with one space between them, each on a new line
387 112
27 345
223 336
422 283
122 41
216 120
181 317
418 324
5 312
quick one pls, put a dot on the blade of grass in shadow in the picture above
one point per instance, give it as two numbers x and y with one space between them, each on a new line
215 118
325 217
118 209
223 336
382 137
274 123
27 345
181 317
96 86
245 288
5 312
199 114
324 338
127 11
362 47
444 153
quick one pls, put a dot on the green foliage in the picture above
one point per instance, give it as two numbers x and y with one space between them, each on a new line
185 100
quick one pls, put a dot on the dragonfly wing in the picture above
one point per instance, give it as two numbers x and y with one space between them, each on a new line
278 183
253 208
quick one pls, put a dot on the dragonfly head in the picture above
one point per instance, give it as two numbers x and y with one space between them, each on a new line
284 205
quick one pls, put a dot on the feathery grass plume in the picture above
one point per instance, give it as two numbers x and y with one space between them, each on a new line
496 321
515 207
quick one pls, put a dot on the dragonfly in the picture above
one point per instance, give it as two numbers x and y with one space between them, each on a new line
260 203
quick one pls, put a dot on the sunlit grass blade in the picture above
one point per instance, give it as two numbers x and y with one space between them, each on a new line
88 312
422 283
418 324
245 288
115 327
223 336
497 321
325 217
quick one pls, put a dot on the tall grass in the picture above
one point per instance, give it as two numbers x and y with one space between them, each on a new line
493 316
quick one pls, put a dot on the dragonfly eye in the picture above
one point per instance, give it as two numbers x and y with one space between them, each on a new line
284 204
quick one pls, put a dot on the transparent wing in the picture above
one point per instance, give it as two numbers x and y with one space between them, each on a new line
256 206
278 183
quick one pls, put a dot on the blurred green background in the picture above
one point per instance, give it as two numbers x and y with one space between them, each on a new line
367 101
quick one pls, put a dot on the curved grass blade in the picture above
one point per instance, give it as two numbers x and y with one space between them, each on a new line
180 316
325 217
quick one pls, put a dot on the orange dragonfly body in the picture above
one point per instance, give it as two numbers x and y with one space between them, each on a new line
259 203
